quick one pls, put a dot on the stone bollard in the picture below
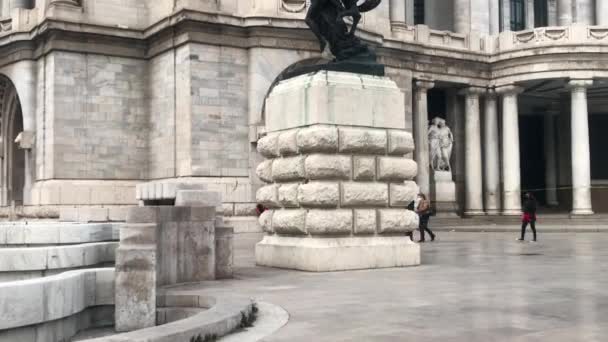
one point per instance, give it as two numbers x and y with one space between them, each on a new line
135 277
338 177
162 246
224 252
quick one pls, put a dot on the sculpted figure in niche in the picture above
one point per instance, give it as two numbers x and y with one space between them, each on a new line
441 142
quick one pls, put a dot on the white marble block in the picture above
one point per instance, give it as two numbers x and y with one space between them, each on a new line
444 192
339 181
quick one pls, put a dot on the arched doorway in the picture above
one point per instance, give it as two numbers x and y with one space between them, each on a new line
12 158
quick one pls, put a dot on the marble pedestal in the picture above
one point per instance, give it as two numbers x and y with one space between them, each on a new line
338 181
443 193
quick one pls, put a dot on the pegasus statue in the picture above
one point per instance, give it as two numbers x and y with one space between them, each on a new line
326 19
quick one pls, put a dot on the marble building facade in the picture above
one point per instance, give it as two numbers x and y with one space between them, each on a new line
100 95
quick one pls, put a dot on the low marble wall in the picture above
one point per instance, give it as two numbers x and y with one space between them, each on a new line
38 301
55 233
224 315
62 329
26 263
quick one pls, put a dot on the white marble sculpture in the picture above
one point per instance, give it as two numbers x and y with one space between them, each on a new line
441 142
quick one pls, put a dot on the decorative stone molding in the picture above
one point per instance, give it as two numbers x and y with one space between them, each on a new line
6 25
75 3
293 6
26 140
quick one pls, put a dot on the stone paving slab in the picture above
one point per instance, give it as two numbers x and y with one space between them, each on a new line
470 287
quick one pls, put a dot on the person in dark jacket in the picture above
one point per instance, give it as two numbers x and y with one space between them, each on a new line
529 216
424 213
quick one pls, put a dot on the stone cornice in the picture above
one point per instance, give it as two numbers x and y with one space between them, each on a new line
438 61
473 91
424 84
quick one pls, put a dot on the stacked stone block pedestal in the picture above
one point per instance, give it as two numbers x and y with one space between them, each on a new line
339 181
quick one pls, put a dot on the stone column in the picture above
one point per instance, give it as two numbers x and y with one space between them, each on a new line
529 14
601 12
473 165
397 14
480 16
584 12
66 2
494 17
550 159
564 12
581 163
506 15
409 12
462 16
421 126
492 155
511 197
338 176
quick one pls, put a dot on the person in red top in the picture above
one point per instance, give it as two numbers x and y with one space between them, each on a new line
529 216
259 209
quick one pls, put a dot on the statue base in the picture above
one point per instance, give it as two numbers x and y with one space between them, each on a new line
339 178
337 254
353 66
443 191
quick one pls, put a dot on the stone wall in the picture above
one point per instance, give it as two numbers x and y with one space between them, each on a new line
220 130
98 120
161 108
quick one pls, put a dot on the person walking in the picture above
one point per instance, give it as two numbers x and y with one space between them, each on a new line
529 216
423 209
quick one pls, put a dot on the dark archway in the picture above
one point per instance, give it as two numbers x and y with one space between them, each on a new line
12 158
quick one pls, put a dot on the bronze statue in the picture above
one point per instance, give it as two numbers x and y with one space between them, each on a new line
326 20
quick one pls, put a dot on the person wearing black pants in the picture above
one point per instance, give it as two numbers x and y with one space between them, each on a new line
424 213
529 216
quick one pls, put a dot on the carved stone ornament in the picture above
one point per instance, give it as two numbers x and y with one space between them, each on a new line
293 6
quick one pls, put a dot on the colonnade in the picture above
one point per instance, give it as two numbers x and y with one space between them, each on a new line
483 16
492 178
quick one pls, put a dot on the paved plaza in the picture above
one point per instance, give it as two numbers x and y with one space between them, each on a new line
471 287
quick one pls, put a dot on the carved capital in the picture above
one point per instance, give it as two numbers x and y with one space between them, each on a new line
26 139
509 89
473 91
579 84
424 85
491 93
